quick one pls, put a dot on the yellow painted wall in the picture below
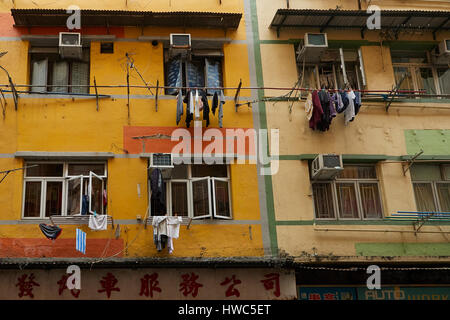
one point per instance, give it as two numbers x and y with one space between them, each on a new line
72 124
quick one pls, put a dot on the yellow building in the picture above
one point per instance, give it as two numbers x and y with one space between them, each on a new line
90 122
394 151
92 134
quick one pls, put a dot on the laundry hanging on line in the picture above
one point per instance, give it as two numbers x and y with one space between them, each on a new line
50 231
322 106
165 229
158 196
197 105
98 222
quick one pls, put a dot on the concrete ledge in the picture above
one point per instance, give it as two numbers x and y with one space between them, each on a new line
43 155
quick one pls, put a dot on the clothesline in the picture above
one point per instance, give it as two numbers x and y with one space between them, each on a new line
204 88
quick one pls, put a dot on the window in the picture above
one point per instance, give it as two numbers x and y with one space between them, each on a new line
202 69
51 73
418 73
353 195
198 191
431 183
53 188
329 71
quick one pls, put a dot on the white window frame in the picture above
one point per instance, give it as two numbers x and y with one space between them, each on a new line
65 178
93 175
81 193
208 182
356 185
213 182
190 199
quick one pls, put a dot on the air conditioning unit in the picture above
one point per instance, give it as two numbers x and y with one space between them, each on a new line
70 45
314 45
440 55
326 166
161 160
444 48
180 43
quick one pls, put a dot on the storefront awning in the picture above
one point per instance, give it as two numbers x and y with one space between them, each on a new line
122 18
396 20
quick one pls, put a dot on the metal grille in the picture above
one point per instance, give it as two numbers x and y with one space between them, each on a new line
162 159
180 40
331 161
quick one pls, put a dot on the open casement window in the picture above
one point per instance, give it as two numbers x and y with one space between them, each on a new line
202 69
74 195
95 192
337 69
179 194
201 197
221 198
419 73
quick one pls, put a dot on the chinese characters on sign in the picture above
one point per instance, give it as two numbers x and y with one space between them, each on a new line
152 284
63 285
189 284
149 284
108 284
26 286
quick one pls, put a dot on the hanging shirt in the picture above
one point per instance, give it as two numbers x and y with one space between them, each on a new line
173 227
332 106
317 111
309 106
179 107
344 99
221 102
339 104
215 102
51 232
205 103
349 113
197 106
98 222
189 109
159 231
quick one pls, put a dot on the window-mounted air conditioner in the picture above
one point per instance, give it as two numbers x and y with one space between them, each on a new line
180 43
161 160
441 54
312 47
326 166
70 45
444 48
180 40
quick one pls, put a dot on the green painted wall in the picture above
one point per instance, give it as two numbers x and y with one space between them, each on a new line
434 142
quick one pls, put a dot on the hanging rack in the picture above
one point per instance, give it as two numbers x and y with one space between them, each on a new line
411 162
236 96
156 96
96 93
6 172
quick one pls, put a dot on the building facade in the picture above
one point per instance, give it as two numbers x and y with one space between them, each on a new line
394 151
91 127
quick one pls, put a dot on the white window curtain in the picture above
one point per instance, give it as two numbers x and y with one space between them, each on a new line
60 76
424 197
39 76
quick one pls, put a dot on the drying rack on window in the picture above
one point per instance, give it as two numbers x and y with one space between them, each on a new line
186 221
419 218
75 219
